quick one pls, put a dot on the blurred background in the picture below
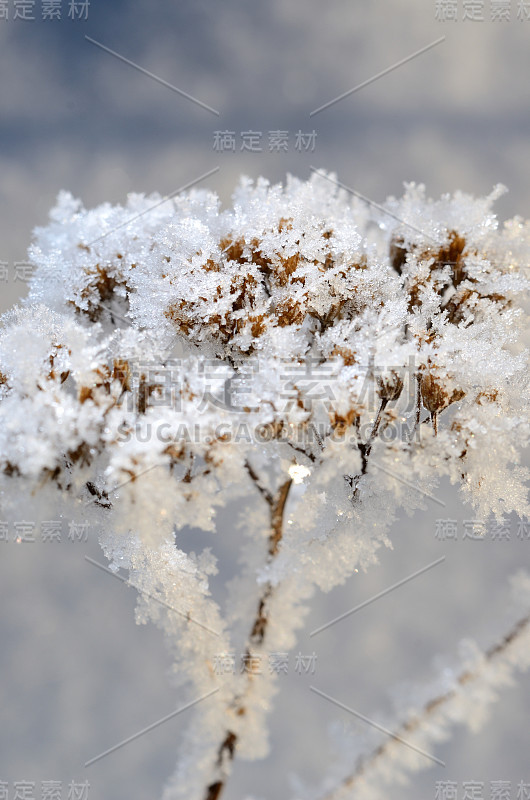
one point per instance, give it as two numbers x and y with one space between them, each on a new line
77 674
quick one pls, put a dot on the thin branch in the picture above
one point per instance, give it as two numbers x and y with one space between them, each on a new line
372 761
417 406
310 456
375 428
227 750
277 511
365 449
259 486
418 400
434 420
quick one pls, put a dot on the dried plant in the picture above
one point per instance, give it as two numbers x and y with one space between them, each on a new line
301 357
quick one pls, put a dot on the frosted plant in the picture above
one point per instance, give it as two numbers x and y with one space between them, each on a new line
460 695
302 358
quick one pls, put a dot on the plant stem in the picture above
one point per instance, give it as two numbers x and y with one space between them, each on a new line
372 761
227 749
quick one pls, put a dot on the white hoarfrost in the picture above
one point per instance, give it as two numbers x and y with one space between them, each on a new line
305 358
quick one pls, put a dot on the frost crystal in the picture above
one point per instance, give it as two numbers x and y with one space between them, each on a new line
302 355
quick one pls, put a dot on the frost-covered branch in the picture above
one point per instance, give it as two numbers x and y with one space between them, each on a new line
471 692
256 639
289 359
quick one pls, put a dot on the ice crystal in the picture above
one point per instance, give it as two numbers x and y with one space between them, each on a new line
324 360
